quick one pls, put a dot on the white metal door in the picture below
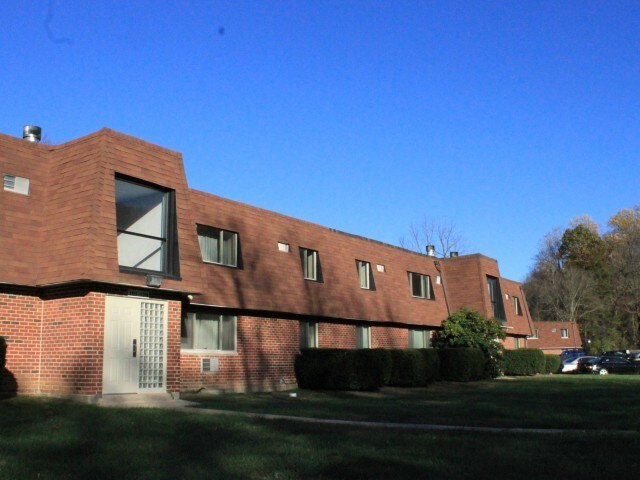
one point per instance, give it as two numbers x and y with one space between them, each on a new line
135 340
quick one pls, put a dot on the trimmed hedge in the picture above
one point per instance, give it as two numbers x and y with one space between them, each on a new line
408 368
461 364
337 369
432 364
552 363
524 361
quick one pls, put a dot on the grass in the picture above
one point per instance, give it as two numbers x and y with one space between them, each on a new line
48 439
563 401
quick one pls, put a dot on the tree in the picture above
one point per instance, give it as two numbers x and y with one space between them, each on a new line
468 328
443 236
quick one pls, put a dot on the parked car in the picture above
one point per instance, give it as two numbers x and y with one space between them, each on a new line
615 364
571 365
585 364
614 353
570 353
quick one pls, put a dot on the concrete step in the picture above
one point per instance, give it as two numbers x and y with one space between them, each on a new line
143 400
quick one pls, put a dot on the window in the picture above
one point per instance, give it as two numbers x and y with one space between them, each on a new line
420 285
516 342
380 268
209 331
284 247
308 335
310 268
536 334
364 274
495 295
218 246
363 337
516 305
419 338
146 227
564 333
16 184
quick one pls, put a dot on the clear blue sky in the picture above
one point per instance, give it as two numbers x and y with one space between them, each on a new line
504 118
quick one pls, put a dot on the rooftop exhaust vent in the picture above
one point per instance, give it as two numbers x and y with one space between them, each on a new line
453 254
31 133
431 250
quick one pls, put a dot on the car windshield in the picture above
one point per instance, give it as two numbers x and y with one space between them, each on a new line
589 361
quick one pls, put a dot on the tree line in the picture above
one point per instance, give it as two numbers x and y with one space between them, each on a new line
593 278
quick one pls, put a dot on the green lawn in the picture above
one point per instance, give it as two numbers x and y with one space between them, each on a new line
560 401
43 439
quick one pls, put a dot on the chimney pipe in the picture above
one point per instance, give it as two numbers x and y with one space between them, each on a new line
431 250
31 133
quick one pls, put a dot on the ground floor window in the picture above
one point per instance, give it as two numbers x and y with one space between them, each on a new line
209 331
308 335
419 338
363 337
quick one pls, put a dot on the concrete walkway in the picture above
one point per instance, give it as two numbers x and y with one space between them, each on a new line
168 402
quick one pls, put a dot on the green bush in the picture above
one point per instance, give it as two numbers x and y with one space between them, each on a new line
3 353
408 368
552 363
337 369
462 364
524 361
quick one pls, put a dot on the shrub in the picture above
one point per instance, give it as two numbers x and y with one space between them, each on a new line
524 361
337 369
468 328
3 353
408 368
552 363
461 364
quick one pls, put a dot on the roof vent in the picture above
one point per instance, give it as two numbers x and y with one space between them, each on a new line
431 250
31 133
453 254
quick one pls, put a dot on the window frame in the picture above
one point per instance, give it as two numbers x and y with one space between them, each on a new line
220 233
517 305
495 298
304 326
171 254
305 254
425 340
363 341
564 333
426 287
368 275
191 333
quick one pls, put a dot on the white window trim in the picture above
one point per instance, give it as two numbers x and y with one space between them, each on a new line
564 333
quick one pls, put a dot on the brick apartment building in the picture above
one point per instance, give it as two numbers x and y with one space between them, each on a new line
118 278
554 337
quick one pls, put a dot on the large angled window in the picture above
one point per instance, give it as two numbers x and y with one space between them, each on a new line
146 225
495 296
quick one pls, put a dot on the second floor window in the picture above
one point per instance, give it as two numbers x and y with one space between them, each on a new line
495 296
420 285
310 270
364 274
146 227
517 306
218 246
564 333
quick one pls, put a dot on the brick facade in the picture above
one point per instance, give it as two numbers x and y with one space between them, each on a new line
60 261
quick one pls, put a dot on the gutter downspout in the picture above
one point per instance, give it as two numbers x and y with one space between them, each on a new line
444 290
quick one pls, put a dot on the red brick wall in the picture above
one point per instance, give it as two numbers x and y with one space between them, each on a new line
266 349
20 325
389 337
69 359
